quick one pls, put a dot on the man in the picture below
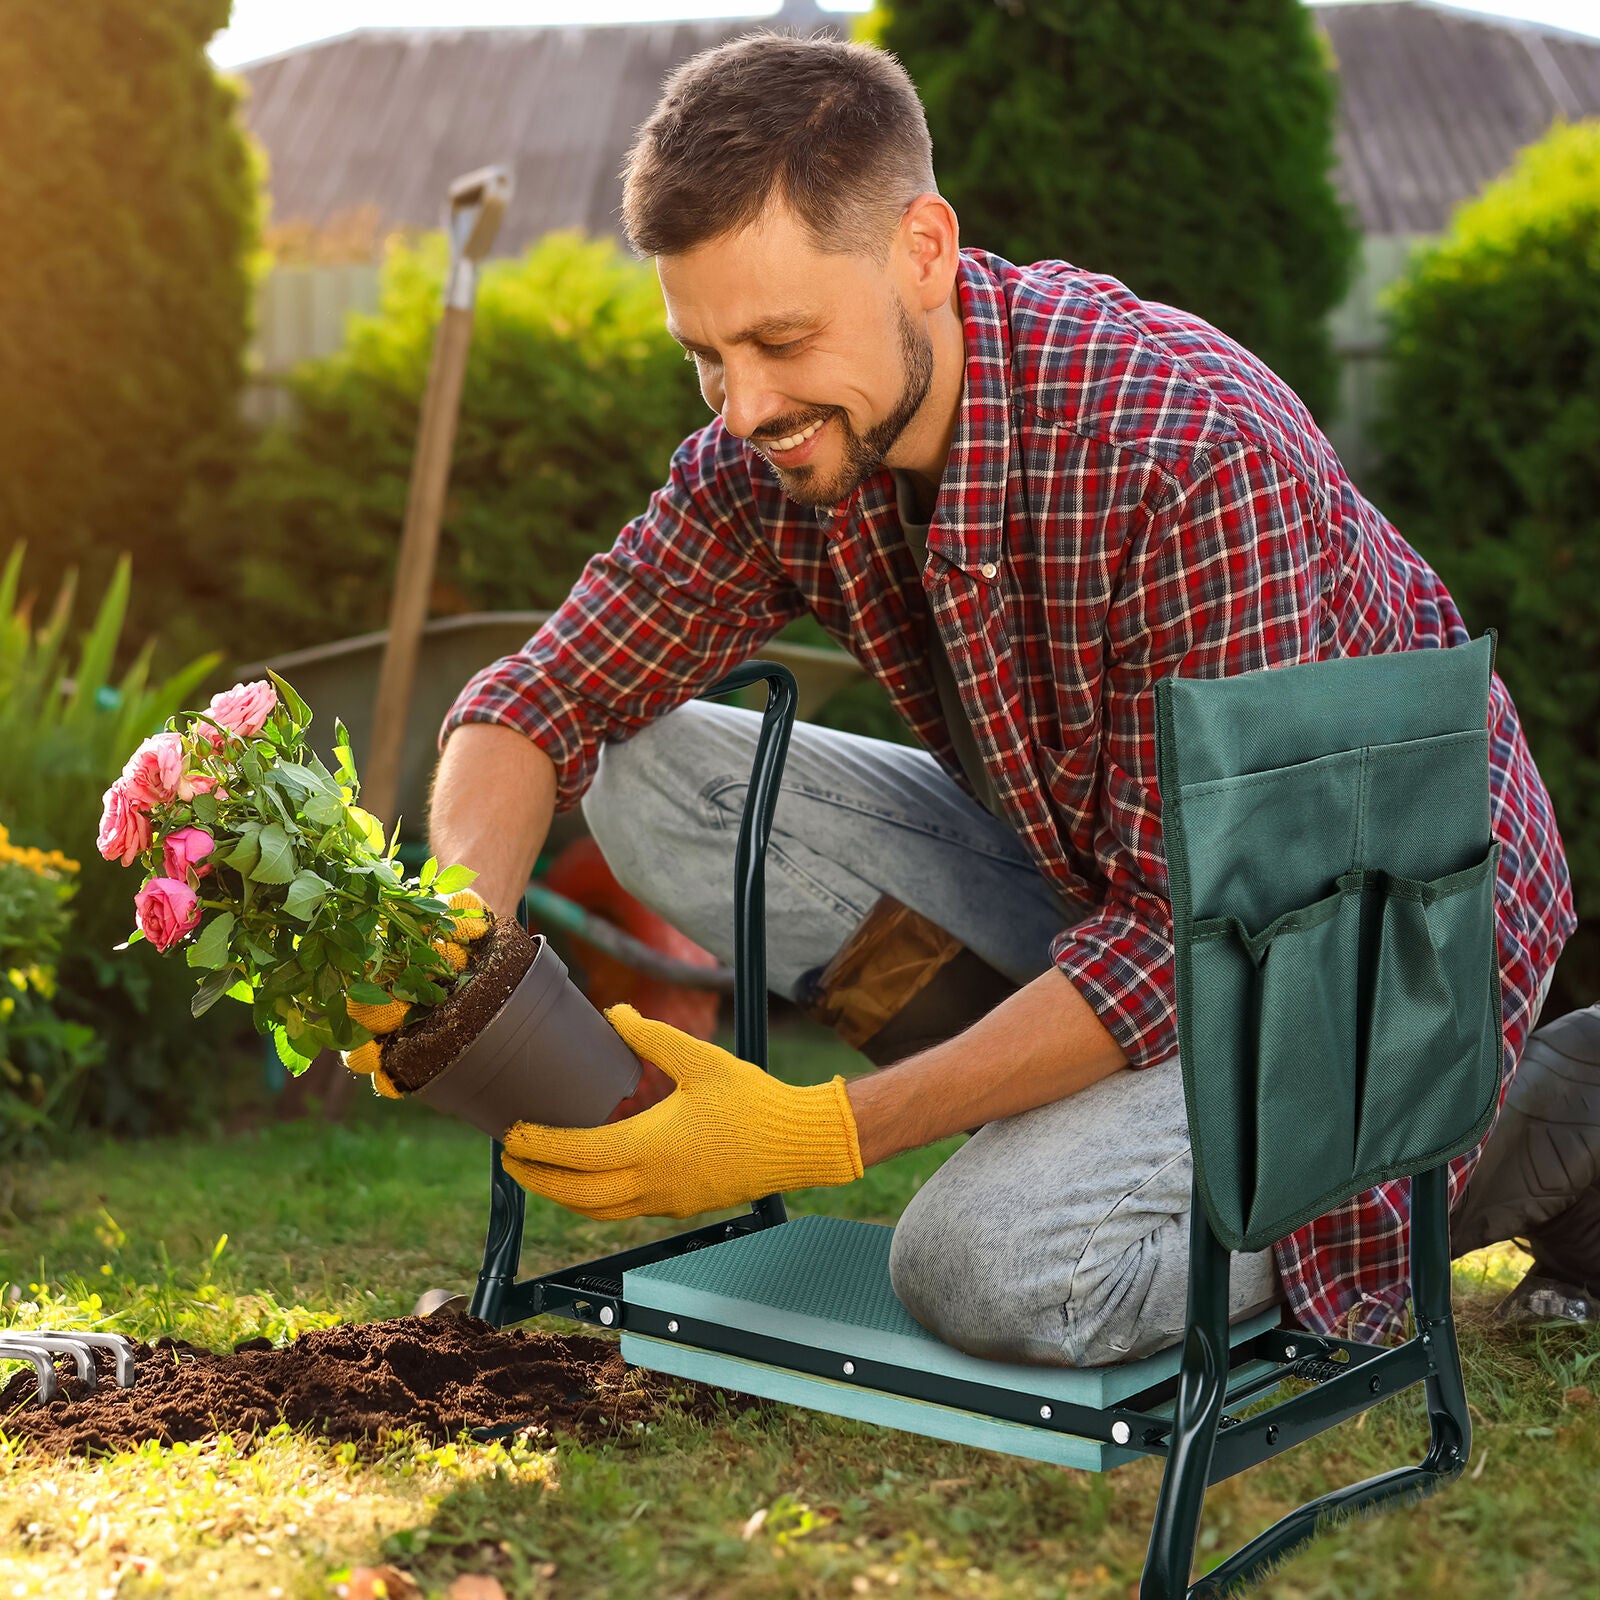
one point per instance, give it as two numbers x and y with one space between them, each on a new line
1020 496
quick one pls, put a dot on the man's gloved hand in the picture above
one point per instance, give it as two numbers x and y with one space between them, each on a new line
727 1134
366 1059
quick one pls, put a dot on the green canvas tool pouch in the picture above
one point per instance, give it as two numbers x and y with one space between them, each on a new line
1333 872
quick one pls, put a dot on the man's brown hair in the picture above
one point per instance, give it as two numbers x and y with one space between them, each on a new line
834 129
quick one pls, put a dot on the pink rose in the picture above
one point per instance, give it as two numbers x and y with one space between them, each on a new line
193 783
153 770
244 709
183 850
166 911
124 828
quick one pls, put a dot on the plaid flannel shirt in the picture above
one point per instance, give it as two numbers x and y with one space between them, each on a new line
1128 494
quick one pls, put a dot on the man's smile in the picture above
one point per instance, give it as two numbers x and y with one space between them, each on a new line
793 449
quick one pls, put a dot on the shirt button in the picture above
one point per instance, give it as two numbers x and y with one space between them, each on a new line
988 569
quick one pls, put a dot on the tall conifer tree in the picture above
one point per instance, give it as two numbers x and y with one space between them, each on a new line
1183 146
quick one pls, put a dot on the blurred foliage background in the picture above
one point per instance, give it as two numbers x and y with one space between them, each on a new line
1491 434
575 398
129 204
1185 149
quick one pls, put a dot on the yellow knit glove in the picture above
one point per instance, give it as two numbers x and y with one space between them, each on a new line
727 1134
367 1059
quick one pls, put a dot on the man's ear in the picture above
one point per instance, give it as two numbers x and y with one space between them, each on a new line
930 242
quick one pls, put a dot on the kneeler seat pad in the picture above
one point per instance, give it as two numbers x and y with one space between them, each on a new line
823 1283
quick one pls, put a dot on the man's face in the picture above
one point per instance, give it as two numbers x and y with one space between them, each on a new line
815 358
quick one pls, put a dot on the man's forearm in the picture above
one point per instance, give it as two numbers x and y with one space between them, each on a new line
493 798
1041 1045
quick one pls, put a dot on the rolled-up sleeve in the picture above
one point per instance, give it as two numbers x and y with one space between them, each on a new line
1227 577
687 592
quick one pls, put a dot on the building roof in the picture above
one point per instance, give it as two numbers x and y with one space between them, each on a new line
1434 103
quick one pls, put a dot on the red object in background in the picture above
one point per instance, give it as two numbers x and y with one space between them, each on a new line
580 874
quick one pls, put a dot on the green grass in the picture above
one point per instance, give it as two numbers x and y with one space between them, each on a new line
351 1223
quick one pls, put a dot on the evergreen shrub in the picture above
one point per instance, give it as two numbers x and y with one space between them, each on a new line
129 207
575 399
1185 149
1491 434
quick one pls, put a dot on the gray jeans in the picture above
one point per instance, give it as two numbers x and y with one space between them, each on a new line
1058 1237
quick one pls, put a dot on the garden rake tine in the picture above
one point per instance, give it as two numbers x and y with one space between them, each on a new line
120 1347
66 1345
43 1360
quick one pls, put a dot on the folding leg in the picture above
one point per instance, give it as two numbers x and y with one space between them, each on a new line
1202 1389
502 1245
1200 1403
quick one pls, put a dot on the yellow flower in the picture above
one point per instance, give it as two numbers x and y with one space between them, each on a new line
44 862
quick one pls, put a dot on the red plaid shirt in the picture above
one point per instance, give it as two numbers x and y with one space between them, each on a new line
1128 494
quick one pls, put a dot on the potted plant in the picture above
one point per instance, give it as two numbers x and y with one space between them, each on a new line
284 894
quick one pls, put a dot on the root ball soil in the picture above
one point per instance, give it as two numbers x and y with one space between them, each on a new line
434 1375
424 1047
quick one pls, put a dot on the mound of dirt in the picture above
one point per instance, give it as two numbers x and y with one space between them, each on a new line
436 1375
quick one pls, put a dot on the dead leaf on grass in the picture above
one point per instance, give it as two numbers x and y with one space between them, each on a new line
1579 1396
380 1583
475 1586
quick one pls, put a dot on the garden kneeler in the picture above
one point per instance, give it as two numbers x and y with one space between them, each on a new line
1332 869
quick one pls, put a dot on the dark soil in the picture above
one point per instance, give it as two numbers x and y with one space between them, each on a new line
496 964
435 1375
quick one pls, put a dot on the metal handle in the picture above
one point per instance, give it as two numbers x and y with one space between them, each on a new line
749 873
750 861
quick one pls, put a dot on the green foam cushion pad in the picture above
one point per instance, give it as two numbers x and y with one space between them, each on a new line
823 1282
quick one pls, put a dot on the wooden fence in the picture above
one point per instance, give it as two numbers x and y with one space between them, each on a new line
301 312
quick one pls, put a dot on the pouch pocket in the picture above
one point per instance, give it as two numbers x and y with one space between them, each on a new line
1350 1040
1433 1061
1277 1054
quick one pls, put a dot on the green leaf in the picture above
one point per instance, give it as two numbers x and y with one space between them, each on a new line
243 990
211 948
324 809
212 988
287 1054
306 893
430 870
277 857
297 707
247 851
453 879
366 994
205 810
285 815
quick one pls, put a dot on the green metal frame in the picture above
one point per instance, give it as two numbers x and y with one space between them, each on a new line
1201 1443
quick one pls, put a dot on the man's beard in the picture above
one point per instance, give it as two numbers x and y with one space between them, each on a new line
864 452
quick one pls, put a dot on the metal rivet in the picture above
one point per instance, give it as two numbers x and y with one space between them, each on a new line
607 1315
988 569
1375 1385
1120 1432
1272 1433
1289 1350
849 1369
672 1325
1044 1411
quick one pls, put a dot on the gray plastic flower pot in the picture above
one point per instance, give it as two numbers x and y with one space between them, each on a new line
546 1056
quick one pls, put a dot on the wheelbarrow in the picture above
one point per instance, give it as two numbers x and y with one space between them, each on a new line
1332 873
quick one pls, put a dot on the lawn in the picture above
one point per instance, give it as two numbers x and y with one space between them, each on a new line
296 1225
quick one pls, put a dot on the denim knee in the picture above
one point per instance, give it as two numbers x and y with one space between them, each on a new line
957 1278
